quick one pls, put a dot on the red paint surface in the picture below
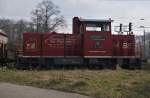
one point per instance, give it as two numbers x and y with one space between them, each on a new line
105 48
123 45
31 44
53 44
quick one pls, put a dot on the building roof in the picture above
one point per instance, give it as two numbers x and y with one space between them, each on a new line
2 33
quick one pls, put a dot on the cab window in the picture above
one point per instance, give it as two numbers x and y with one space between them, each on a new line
98 27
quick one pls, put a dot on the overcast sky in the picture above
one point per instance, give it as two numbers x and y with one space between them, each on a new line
121 11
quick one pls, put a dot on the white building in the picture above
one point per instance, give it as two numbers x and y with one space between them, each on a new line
3 37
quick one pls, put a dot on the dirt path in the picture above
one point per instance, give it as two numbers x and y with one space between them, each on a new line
15 91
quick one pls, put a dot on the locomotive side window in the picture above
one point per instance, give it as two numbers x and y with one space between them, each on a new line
31 44
106 27
93 27
98 27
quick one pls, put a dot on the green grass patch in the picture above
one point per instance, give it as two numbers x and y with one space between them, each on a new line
98 83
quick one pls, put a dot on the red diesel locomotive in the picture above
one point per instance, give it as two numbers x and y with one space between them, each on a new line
91 45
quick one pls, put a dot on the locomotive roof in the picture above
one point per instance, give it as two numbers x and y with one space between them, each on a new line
95 20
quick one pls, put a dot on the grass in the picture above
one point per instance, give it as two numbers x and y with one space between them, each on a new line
98 83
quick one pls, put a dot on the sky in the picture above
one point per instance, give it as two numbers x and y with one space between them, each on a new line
121 11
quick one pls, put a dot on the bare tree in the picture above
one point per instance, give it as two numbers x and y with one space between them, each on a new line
47 17
14 30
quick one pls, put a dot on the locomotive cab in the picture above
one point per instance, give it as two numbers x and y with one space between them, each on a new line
97 41
81 26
